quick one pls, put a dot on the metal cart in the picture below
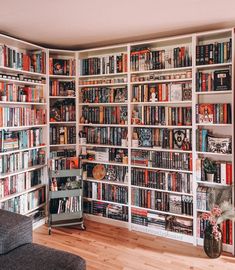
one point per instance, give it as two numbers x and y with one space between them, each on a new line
66 218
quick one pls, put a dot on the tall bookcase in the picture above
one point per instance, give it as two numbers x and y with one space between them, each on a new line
103 129
23 128
63 104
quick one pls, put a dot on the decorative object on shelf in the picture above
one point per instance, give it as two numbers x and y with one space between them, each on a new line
219 145
210 169
99 172
221 210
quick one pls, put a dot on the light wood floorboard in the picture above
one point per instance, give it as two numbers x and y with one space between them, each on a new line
106 247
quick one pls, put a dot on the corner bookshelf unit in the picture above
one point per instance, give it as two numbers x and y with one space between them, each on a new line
214 122
23 129
63 104
103 132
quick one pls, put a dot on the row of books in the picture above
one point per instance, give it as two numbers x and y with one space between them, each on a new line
206 141
17 93
110 64
113 173
103 94
105 135
105 115
150 59
167 160
164 138
62 88
226 228
162 222
26 202
62 153
22 160
20 182
21 116
160 115
106 154
66 205
218 80
106 192
213 113
203 198
108 210
34 61
222 171
62 135
162 92
62 66
168 181
63 110
157 200
20 139
214 53
103 80
64 163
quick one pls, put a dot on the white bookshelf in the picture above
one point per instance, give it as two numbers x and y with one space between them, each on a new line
14 77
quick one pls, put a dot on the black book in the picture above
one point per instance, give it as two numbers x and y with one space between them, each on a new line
222 80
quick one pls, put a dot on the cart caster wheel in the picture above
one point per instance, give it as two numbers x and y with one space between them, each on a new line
49 231
83 227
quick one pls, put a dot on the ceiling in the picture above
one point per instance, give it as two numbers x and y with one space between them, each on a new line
89 23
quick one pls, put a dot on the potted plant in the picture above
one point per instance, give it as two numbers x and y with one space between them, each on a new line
221 210
210 169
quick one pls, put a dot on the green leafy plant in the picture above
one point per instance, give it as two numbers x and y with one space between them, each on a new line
209 166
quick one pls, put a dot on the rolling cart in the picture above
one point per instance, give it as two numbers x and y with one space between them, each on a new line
66 205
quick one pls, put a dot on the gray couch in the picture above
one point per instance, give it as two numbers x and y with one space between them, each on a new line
17 252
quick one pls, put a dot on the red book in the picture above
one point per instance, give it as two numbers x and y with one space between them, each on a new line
228 173
224 232
230 232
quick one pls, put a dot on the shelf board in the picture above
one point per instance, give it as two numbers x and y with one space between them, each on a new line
62 97
104 145
19 71
63 145
22 150
161 81
211 184
162 212
103 125
213 154
104 104
162 190
102 75
162 70
102 84
115 203
163 233
159 169
21 82
62 77
215 125
162 150
212 66
33 168
161 126
62 122
8 197
104 162
22 127
214 92
165 103
106 220
106 182
20 103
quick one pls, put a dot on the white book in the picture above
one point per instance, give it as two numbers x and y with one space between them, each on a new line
223 173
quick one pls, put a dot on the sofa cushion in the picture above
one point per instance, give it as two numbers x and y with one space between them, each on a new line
15 230
37 257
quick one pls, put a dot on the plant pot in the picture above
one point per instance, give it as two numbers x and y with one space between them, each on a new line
210 177
212 246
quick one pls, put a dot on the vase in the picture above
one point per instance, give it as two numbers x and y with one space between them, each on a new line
210 177
212 246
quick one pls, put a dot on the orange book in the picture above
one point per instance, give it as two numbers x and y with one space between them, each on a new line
206 113
101 114
146 177
149 199
159 92
225 120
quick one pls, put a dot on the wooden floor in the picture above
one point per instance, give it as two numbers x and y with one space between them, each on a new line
107 247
